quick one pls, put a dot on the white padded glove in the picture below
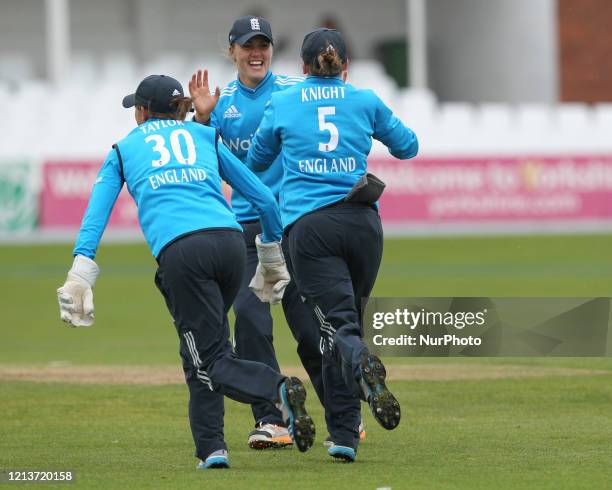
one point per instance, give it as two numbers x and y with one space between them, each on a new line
75 297
271 276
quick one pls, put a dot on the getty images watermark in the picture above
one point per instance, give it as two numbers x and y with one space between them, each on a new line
488 326
422 318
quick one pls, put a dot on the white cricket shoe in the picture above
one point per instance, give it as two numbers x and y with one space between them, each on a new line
266 436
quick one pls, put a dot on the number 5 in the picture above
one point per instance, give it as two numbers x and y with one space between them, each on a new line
328 126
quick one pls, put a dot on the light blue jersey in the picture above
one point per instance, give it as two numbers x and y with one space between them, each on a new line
237 116
325 129
173 170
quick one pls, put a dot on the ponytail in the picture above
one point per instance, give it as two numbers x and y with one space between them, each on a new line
181 106
327 64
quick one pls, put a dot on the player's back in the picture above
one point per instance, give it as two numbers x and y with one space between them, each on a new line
172 172
326 128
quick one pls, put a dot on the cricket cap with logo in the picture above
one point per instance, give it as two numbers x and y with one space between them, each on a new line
246 28
316 42
155 94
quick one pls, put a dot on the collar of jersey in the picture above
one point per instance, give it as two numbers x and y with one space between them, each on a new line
146 122
150 119
331 80
260 85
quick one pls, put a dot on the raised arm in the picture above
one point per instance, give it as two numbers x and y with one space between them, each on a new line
204 101
266 144
389 130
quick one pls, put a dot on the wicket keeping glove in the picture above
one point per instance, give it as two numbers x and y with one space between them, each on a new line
75 296
271 276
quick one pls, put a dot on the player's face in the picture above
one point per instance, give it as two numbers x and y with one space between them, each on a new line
253 60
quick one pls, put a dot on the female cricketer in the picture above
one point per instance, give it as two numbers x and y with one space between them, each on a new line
237 115
173 170
324 128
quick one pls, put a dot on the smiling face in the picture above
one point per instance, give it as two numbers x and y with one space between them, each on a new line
252 60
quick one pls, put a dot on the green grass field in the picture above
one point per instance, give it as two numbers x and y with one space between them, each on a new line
549 431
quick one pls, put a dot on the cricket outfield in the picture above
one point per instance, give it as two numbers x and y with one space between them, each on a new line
108 402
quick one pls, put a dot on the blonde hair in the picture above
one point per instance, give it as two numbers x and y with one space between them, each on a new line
327 64
182 105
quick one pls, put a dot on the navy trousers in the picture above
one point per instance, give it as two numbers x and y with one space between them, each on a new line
199 276
253 335
335 255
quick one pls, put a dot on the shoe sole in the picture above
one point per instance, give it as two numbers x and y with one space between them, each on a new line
219 465
342 457
214 464
268 444
303 430
385 408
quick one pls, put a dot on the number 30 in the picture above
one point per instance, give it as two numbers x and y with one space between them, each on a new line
164 154
328 126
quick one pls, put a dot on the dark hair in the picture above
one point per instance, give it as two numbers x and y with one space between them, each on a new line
181 106
327 64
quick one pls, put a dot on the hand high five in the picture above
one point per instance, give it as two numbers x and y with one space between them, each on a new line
203 100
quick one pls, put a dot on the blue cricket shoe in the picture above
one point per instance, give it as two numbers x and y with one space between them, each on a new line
343 454
218 459
299 424
384 406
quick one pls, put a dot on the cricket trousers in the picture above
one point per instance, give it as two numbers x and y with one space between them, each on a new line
253 328
335 255
199 276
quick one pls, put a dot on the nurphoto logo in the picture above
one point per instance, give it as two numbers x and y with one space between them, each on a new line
488 326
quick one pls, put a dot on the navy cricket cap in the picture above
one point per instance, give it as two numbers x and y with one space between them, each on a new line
155 93
316 42
248 27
